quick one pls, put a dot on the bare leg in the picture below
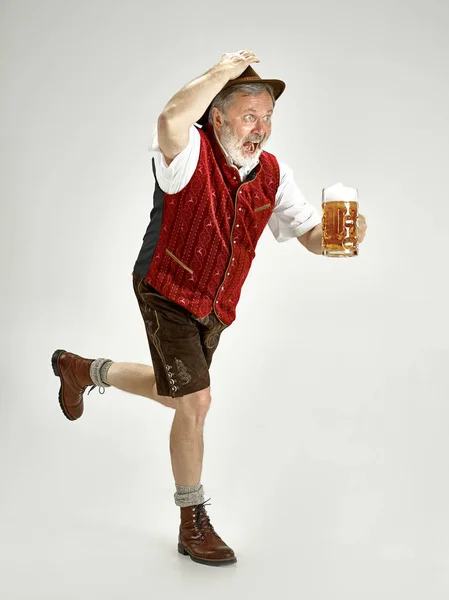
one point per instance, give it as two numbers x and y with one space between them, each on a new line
186 437
138 379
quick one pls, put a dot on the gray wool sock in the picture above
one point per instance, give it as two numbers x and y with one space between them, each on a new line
99 371
189 495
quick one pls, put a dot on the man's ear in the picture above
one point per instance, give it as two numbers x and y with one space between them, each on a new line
217 117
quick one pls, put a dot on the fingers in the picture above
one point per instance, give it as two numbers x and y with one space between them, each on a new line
235 63
247 55
361 227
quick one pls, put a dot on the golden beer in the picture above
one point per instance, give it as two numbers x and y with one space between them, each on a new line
339 225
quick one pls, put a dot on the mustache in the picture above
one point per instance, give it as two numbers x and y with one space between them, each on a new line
253 138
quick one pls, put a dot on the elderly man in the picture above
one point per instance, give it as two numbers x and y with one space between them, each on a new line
216 189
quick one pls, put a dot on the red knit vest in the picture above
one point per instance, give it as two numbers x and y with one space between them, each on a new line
210 230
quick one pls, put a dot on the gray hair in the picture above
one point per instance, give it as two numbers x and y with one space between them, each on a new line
223 99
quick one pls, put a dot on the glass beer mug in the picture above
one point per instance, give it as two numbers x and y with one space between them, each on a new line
339 221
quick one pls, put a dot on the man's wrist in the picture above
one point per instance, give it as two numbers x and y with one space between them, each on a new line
220 73
312 240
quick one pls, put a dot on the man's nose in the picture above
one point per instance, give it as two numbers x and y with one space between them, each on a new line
259 128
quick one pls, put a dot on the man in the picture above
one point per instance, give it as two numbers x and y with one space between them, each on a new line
216 190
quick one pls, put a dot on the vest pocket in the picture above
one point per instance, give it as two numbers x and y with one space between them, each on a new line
178 261
262 207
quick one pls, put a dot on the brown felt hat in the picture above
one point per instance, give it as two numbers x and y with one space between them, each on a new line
249 76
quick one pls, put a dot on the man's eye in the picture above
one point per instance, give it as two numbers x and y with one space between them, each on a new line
268 117
247 117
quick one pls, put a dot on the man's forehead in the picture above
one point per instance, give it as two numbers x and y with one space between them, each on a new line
253 102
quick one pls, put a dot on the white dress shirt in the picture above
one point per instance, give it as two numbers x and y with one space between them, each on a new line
292 216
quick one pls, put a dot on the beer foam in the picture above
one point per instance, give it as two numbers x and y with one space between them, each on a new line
340 192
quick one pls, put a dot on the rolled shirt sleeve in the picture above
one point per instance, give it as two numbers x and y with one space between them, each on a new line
174 177
293 215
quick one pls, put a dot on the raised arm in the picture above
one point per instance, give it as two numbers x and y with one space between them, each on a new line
189 104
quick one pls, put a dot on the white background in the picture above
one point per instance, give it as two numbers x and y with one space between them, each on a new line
326 450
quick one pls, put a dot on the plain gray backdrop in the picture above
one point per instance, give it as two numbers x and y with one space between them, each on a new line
326 449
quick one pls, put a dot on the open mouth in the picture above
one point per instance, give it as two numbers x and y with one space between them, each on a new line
251 147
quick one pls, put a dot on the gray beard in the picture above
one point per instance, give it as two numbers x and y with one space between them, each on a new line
233 147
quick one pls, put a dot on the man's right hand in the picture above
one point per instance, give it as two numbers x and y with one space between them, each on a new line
235 63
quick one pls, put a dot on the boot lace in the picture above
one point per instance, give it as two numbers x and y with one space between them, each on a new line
203 521
99 389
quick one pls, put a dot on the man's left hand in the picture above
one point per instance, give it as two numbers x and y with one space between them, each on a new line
361 228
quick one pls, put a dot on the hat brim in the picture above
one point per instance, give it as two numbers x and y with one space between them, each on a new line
277 85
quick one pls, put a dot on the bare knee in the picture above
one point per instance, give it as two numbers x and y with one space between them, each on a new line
195 405
165 400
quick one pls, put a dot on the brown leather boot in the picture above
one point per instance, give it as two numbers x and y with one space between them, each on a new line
198 538
74 373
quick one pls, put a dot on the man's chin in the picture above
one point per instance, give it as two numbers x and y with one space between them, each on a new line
247 161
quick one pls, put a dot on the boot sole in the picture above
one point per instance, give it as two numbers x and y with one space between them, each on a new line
54 364
203 561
